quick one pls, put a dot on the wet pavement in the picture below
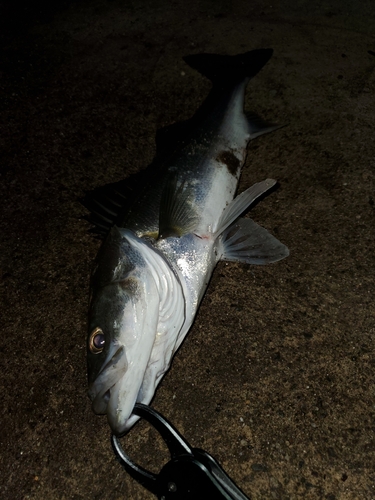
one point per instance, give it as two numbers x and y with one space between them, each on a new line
276 378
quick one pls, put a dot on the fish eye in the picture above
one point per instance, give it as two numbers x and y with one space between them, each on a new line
97 341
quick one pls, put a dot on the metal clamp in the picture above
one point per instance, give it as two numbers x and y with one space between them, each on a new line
190 474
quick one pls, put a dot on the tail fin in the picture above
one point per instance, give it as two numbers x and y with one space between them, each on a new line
226 70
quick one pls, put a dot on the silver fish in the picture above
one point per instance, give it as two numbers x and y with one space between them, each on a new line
166 229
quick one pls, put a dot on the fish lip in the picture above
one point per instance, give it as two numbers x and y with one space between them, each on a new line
125 428
100 390
119 426
131 421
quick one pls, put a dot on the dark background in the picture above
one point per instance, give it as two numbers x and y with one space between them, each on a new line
276 378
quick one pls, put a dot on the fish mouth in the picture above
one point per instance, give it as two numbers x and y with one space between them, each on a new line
110 392
102 390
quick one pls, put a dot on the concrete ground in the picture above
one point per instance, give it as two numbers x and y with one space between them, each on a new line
276 378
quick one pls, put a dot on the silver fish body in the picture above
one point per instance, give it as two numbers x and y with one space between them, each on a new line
163 245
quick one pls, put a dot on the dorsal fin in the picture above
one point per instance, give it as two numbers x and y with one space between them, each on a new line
105 204
108 204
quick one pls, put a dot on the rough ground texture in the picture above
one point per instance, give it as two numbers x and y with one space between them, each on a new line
276 378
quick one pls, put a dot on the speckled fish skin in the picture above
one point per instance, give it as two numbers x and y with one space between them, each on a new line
154 266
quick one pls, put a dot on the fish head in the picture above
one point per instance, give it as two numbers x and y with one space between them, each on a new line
123 318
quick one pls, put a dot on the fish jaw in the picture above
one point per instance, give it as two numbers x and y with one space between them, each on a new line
100 391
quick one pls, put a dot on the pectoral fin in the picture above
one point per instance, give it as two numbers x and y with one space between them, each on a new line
178 215
245 241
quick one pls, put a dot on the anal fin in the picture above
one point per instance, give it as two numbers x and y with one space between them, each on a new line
246 241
